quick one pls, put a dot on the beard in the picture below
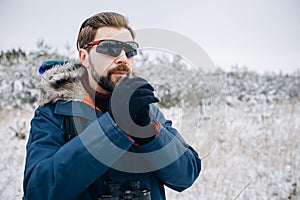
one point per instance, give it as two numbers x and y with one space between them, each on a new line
105 81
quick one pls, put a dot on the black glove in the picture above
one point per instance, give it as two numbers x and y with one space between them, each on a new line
139 103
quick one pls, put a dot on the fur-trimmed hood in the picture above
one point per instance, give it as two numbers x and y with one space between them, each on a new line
62 82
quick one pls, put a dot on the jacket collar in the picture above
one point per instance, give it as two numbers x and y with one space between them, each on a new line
62 82
77 109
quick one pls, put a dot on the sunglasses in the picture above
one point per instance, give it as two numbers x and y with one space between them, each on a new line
114 47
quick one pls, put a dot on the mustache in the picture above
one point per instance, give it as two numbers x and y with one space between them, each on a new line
123 68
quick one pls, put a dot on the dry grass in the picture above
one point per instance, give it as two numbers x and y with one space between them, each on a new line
257 155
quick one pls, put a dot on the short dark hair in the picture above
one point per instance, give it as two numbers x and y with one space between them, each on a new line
89 27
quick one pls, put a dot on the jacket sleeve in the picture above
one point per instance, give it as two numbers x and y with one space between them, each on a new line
58 170
173 161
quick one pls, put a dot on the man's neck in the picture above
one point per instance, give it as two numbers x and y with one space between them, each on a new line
93 84
101 99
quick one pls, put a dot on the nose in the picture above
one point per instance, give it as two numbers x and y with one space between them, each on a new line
122 58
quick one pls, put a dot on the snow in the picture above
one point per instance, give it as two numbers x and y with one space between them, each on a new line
248 140
13 154
256 155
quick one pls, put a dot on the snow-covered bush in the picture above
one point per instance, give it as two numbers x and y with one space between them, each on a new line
175 81
19 75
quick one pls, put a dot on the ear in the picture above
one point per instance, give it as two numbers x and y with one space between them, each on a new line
84 57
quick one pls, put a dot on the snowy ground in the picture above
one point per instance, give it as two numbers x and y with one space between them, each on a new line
256 153
12 154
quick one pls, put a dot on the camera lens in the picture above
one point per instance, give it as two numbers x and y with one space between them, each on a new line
128 195
135 185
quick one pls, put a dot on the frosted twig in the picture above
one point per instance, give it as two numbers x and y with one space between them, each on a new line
244 188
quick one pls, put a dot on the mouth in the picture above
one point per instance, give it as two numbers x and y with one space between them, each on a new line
120 73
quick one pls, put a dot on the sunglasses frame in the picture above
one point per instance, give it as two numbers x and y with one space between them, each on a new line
128 54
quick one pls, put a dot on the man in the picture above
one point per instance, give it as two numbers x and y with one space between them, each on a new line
108 159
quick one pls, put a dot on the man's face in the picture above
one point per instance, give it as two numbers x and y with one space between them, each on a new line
104 71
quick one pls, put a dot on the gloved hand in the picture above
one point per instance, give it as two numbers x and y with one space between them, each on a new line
141 97
139 103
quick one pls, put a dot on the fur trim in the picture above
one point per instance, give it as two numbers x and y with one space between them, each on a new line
62 83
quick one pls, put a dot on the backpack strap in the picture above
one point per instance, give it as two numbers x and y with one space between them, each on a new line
51 63
73 126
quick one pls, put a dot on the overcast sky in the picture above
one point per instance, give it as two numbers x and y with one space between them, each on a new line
260 34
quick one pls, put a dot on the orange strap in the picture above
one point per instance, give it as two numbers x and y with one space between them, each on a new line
88 100
156 126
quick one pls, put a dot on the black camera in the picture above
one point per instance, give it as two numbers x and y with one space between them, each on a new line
132 192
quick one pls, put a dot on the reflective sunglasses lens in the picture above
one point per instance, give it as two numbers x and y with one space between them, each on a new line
110 47
131 49
130 54
114 48
130 46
